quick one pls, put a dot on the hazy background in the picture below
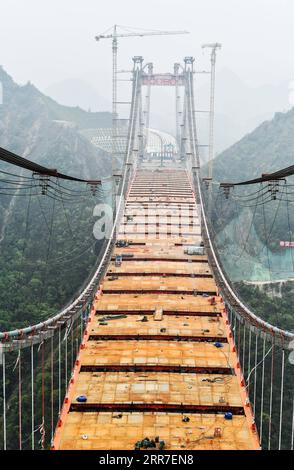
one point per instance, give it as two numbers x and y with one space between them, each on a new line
51 43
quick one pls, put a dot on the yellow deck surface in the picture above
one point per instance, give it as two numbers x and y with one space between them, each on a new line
186 325
154 352
160 387
154 301
166 371
101 430
160 248
160 282
161 267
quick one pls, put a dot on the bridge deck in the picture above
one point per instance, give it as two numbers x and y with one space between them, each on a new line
150 363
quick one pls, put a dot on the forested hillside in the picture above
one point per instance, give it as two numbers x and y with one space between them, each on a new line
47 249
268 148
248 232
247 228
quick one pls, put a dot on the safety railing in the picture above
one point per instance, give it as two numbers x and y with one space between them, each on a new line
265 352
37 362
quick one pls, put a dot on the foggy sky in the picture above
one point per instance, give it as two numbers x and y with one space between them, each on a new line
51 40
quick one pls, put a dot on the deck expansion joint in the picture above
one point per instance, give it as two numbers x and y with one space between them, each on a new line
182 369
131 243
160 292
156 224
158 274
159 337
161 204
173 260
163 234
175 313
168 216
157 407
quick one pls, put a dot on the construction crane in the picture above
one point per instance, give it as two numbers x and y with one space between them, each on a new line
114 35
214 47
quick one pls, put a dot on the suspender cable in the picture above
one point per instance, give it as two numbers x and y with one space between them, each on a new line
229 315
271 397
292 434
72 345
65 360
255 367
282 336
255 374
4 401
249 358
244 347
52 386
234 329
32 399
49 243
282 398
77 346
262 392
43 398
19 402
289 227
59 369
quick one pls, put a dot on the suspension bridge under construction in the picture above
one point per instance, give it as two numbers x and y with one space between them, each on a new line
158 351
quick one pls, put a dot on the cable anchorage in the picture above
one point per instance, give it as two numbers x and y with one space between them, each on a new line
226 187
274 188
43 182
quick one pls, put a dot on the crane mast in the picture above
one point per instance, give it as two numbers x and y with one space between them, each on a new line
214 47
114 36
146 113
114 110
177 99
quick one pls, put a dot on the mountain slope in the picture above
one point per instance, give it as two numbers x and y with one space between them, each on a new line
268 148
77 92
242 106
47 249
249 236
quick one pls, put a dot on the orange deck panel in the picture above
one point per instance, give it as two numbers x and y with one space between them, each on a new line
158 357
94 431
172 325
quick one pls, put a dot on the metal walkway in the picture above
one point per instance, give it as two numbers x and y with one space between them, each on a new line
158 358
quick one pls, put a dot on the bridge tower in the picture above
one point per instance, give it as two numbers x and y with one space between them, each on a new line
165 348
